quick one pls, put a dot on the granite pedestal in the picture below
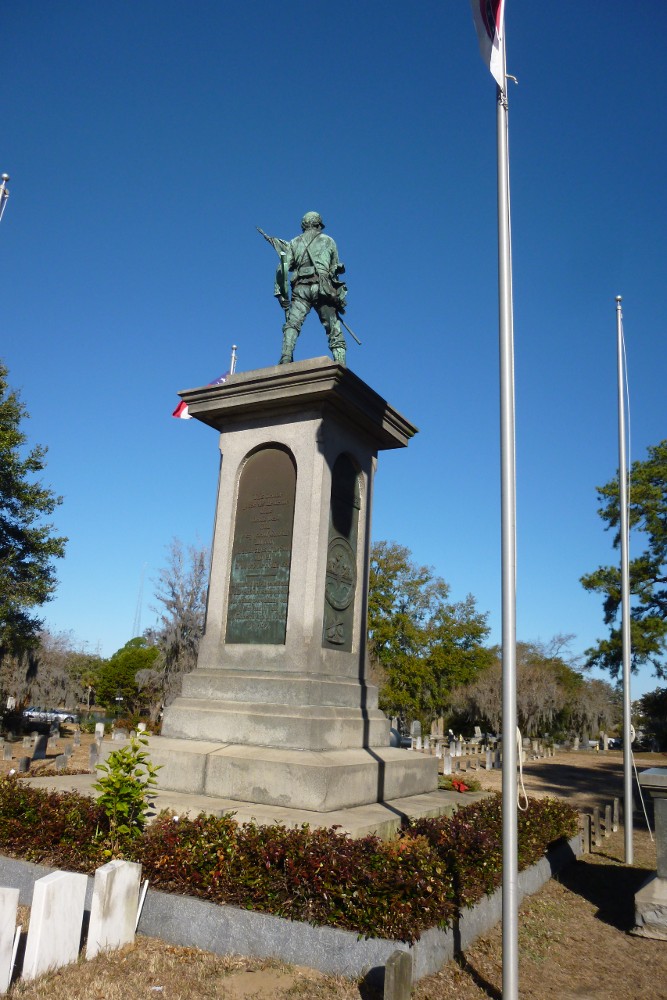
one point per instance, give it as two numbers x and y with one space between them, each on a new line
279 710
651 899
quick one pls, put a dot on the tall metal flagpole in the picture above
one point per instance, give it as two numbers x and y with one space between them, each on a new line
4 193
508 522
625 589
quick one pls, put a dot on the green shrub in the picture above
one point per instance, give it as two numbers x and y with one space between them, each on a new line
132 720
128 776
88 723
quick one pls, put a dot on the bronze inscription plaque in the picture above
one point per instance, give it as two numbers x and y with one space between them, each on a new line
341 574
262 549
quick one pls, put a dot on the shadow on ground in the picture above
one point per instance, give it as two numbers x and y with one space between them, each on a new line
611 888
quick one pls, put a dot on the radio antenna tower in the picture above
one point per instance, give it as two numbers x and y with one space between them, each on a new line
136 626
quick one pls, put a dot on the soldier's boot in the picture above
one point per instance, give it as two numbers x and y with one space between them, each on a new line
289 343
339 354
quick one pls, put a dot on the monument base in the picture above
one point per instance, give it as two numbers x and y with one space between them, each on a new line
318 781
383 819
651 909
279 713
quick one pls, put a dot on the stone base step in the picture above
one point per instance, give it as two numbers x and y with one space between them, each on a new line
319 781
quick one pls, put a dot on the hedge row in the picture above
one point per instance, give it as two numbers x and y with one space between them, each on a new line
393 889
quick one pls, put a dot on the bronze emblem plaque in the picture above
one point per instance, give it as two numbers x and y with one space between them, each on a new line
262 549
341 574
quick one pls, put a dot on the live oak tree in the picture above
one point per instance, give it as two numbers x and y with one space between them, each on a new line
648 571
421 644
551 695
116 683
28 544
55 673
652 715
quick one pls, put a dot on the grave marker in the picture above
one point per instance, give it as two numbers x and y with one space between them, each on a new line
113 911
398 976
56 918
9 901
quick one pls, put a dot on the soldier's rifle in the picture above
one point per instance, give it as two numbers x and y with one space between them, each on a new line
281 247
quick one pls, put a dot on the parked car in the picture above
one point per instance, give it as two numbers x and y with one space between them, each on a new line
51 715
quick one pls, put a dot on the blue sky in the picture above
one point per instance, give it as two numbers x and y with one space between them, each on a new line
145 141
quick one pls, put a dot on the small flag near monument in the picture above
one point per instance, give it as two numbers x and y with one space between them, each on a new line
488 16
181 411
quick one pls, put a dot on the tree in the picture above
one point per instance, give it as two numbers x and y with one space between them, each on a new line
116 680
421 645
51 675
653 715
551 695
181 593
28 545
648 571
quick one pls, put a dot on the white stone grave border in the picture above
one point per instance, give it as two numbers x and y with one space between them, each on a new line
223 930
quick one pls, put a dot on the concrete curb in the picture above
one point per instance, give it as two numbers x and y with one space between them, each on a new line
224 930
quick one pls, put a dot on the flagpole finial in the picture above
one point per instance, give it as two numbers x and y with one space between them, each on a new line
619 298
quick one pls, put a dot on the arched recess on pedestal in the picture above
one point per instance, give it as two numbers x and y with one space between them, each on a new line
262 547
341 583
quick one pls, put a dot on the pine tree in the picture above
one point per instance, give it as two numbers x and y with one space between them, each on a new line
648 570
28 544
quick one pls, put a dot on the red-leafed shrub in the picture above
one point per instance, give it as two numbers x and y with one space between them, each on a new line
46 828
470 842
393 889
388 889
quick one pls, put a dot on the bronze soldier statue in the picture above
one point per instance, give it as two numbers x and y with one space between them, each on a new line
312 261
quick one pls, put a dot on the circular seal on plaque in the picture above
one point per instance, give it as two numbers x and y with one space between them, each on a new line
341 578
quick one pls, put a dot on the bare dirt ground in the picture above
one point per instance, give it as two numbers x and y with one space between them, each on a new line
574 935
583 778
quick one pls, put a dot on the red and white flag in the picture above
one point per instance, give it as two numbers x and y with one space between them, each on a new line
182 411
489 18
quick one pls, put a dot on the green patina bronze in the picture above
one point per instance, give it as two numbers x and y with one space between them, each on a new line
310 265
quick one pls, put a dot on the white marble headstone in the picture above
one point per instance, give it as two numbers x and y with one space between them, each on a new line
9 901
56 918
113 912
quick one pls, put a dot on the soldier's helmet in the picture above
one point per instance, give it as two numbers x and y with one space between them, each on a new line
312 220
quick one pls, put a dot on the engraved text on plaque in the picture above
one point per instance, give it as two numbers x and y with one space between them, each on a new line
262 549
